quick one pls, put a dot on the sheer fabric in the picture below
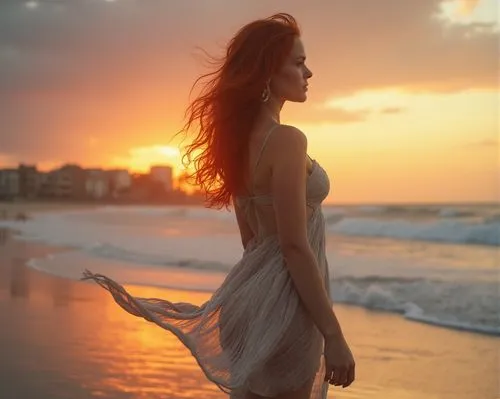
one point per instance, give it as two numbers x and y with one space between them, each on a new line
253 334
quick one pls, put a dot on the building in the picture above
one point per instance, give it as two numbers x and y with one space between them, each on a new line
162 174
43 178
120 182
65 182
9 183
29 181
72 182
97 184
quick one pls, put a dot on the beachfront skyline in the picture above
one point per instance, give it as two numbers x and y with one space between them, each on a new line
402 107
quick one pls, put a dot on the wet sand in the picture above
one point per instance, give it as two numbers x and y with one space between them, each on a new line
10 209
67 339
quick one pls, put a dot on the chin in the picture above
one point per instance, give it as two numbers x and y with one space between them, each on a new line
299 99
303 99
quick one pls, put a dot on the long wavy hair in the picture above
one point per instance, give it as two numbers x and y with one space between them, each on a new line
229 102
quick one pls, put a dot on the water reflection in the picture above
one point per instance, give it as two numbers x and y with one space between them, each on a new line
61 292
90 347
77 342
19 279
137 357
3 236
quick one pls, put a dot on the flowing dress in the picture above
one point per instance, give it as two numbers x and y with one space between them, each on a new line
254 333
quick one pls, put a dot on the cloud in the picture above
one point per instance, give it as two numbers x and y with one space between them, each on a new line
467 6
392 110
485 143
319 113
120 70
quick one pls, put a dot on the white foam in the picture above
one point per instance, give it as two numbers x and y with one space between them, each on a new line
472 307
452 231
71 265
138 238
194 248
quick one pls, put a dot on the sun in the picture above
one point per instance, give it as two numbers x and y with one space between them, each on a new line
141 159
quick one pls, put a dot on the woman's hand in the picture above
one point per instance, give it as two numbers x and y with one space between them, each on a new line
339 362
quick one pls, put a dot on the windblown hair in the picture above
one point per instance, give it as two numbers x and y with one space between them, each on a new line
229 103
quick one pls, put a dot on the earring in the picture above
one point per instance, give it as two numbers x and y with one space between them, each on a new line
266 93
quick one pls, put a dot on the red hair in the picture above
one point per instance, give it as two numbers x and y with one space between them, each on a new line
229 102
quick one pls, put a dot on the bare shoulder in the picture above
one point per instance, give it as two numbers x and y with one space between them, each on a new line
289 140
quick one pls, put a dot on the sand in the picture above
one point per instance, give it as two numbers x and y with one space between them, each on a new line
67 339
11 210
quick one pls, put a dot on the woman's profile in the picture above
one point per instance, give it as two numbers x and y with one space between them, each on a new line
269 330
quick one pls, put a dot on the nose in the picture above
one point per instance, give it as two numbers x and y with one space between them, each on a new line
308 74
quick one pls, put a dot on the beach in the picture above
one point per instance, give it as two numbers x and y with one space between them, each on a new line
63 338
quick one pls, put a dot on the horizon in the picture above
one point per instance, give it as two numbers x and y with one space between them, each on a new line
188 188
419 124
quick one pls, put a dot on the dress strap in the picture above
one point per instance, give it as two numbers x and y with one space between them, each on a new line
266 138
263 146
252 195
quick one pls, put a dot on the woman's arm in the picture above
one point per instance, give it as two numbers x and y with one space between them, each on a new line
245 230
289 191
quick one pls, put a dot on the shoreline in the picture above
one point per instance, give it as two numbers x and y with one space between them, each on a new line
51 205
8 233
11 210
92 347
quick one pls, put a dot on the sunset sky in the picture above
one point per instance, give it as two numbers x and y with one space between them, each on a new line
403 105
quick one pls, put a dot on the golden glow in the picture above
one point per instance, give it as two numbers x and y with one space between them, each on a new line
416 138
145 361
441 147
466 11
140 159
410 148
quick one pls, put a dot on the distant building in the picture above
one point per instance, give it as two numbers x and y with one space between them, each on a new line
72 182
162 174
97 184
65 182
9 183
120 181
29 181
42 177
145 188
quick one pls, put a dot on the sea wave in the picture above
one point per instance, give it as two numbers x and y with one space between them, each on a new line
472 305
440 230
457 305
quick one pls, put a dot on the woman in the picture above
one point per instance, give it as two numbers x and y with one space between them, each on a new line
269 330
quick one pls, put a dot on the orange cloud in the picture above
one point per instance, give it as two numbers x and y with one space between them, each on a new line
467 6
120 73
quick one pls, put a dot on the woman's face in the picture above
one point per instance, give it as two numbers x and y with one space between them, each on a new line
290 83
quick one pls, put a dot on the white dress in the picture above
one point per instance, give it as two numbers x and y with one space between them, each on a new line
254 333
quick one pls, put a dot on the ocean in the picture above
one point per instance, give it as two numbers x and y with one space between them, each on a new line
435 264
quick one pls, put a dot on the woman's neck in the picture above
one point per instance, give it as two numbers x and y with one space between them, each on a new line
271 110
